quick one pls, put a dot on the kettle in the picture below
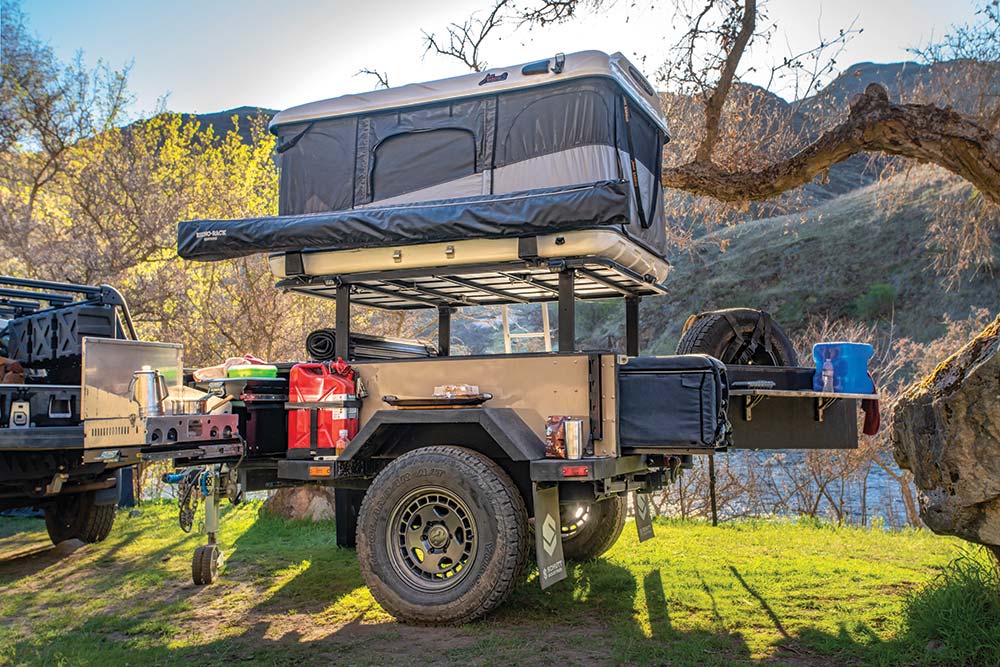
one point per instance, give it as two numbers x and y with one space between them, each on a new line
149 390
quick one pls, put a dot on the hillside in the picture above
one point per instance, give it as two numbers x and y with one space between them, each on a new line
817 263
222 121
740 594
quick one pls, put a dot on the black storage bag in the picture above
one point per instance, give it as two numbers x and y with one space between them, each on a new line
677 401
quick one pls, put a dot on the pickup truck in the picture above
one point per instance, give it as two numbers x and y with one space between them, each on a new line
42 459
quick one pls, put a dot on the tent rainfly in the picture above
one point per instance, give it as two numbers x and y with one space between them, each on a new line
570 142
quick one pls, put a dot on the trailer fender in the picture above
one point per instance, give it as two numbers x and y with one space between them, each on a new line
495 432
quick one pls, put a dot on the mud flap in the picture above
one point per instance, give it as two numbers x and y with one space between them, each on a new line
643 516
548 535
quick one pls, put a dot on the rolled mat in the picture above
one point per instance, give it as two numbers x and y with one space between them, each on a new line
322 344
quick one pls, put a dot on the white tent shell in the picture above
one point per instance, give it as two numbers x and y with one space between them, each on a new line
500 79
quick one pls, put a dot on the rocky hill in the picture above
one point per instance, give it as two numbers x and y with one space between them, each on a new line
823 262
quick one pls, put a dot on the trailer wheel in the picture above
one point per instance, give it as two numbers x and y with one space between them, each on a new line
205 564
589 531
723 334
76 516
442 536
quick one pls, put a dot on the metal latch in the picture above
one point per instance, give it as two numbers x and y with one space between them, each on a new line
20 414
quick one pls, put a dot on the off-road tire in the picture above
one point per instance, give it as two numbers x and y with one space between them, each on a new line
603 528
205 564
500 523
76 516
711 333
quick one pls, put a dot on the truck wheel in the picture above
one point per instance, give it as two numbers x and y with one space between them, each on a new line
442 536
205 564
75 516
590 531
712 333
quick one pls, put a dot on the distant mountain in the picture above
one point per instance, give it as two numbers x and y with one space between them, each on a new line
222 121
819 263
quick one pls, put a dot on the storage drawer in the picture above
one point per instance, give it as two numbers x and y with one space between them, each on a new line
49 405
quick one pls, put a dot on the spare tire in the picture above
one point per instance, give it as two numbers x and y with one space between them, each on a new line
738 336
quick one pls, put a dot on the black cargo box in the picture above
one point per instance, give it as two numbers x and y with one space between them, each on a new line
672 402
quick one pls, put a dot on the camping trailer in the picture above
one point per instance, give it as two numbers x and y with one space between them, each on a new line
535 183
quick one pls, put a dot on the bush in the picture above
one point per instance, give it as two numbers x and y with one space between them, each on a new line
876 302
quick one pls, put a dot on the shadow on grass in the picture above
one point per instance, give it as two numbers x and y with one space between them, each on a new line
309 606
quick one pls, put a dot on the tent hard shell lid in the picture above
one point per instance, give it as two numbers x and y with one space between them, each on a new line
573 142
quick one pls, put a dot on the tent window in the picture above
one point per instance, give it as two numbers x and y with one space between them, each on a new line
554 123
415 160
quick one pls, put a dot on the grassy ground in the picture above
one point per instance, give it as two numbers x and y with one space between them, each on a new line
791 594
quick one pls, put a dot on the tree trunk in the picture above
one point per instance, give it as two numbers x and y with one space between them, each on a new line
946 430
313 503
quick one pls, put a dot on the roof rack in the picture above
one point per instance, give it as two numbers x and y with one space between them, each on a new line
482 284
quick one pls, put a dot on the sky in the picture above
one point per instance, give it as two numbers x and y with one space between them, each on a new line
211 55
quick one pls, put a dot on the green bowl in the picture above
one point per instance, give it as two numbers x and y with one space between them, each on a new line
253 371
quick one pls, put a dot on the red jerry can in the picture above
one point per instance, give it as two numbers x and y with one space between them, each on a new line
329 404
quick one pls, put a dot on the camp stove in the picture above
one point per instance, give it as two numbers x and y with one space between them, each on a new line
180 429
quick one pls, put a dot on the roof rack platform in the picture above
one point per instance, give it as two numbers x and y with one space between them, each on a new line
485 285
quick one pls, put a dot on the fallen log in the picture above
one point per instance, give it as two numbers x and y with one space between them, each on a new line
946 430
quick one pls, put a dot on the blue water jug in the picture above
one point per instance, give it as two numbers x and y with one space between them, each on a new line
850 366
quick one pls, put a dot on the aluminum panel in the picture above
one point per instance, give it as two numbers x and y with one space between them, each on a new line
111 418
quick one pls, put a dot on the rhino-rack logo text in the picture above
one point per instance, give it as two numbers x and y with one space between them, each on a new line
210 235
493 78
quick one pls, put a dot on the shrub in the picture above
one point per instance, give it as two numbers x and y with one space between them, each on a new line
876 302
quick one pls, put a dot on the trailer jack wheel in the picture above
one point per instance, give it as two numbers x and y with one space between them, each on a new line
205 564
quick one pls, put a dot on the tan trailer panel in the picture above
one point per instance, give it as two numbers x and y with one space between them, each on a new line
535 386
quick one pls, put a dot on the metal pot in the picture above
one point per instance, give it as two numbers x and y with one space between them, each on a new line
148 390
201 404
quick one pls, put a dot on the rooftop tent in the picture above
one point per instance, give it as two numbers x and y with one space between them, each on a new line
354 168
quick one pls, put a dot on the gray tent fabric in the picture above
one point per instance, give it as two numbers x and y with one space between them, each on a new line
486 216
404 155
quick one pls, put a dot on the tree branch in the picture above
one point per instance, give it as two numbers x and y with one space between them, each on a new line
465 40
715 102
381 78
922 132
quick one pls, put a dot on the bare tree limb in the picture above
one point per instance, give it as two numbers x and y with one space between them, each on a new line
715 102
923 132
465 40
382 78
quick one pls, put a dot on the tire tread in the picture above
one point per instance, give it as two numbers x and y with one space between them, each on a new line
513 515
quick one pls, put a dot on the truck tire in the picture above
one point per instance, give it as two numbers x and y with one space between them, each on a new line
712 333
76 516
602 526
442 536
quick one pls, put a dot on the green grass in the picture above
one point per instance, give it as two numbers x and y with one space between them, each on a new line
742 593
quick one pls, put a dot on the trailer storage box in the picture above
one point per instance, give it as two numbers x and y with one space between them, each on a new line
676 401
